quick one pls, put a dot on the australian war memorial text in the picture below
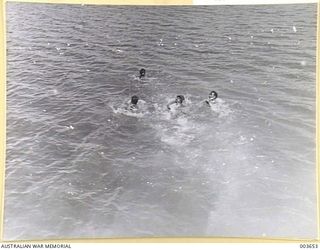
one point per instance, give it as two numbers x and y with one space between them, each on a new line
34 245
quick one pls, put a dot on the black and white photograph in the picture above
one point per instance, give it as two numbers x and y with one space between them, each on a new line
160 121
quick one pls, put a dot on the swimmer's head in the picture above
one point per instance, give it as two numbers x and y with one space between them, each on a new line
142 73
213 95
134 99
179 99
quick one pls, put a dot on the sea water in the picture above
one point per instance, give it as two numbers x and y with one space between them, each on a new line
79 164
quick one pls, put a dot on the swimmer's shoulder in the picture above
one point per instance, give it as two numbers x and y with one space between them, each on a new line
133 107
210 103
130 107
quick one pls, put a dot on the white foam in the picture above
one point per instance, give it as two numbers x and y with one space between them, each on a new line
127 112
294 29
221 107
118 50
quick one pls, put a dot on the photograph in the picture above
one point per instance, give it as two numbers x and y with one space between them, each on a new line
141 121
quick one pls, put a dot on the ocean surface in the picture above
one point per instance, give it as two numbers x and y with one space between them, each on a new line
78 164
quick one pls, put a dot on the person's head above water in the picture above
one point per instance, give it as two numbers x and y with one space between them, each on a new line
142 73
179 99
134 100
213 95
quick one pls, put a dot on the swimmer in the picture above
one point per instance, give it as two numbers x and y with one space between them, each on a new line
134 103
178 101
212 97
142 73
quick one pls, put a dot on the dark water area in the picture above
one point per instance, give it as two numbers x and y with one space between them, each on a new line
78 164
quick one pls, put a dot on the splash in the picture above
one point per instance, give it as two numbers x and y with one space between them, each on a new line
221 108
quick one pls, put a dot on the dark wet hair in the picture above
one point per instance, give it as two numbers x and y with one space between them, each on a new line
181 97
134 99
214 93
142 72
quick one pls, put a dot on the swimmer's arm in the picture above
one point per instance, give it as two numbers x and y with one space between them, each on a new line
133 107
169 104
